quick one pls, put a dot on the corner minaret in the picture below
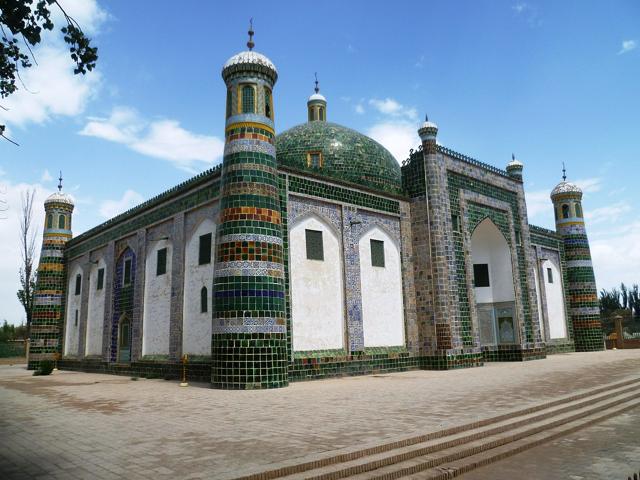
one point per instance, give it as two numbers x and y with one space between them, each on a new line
249 333
581 284
317 105
515 167
46 322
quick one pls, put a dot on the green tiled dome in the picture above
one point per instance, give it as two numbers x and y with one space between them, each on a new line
346 155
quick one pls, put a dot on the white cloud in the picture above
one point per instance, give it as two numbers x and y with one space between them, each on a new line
164 139
627 46
397 137
391 107
520 7
111 208
88 13
10 259
589 185
540 207
609 213
53 90
50 88
359 108
528 12
615 255
46 176
420 62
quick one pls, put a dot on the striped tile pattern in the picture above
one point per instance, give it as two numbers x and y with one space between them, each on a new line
46 323
249 334
582 294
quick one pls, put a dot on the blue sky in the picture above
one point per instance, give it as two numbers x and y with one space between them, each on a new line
549 81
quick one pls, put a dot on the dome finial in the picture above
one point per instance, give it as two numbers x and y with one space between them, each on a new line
317 89
564 173
513 156
426 117
60 182
251 43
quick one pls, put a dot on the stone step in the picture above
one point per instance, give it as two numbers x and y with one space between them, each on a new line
467 464
360 460
461 458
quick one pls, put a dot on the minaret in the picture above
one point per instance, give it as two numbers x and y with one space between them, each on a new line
581 284
514 168
46 322
317 105
249 337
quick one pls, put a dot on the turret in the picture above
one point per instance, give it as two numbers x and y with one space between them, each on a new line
48 303
581 284
514 168
317 106
428 132
249 331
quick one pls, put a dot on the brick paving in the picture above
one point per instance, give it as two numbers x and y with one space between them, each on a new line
77 425
608 450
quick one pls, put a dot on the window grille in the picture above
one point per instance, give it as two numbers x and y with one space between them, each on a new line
481 274
204 254
315 248
377 253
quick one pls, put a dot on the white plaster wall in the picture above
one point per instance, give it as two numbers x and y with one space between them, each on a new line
555 302
157 302
488 245
382 309
196 327
72 331
95 310
317 292
536 278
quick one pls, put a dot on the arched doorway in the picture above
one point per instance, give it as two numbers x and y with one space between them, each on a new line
493 285
124 340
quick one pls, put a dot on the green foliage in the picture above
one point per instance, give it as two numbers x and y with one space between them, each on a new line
625 299
27 293
22 24
10 332
45 368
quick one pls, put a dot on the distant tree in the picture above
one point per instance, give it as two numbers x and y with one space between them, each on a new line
28 275
22 24
10 332
609 301
634 299
624 295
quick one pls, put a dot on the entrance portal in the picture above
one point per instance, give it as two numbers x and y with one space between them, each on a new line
124 340
493 285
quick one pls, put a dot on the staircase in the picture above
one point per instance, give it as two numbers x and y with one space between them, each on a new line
451 452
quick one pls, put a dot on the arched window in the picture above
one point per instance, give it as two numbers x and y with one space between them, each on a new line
61 221
555 212
311 114
229 102
578 210
565 211
50 221
267 103
78 284
204 300
321 114
248 99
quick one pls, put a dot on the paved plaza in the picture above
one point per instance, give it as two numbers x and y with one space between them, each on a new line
77 425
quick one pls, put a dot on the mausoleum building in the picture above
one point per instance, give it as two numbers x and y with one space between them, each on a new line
313 253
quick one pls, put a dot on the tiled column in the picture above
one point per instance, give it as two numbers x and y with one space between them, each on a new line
581 283
249 337
48 304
